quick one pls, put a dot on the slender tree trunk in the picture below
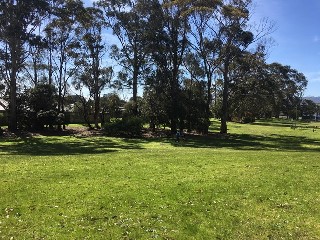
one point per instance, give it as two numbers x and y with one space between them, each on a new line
96 110
50 64
60 82
35 71
60 86
209 99
96 94
13 86
174 101
215 98
135 89
175 79
225 96
209 96
85 110
13 101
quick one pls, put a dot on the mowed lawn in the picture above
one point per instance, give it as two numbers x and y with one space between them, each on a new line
262 181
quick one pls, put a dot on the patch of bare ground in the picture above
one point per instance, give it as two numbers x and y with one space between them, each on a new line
69 131
82 131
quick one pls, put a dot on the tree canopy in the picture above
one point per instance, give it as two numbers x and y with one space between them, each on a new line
188 60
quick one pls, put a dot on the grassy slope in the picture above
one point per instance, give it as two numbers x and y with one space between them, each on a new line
260 183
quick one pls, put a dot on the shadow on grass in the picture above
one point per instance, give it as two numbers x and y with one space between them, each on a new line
281 123
252 142
55 146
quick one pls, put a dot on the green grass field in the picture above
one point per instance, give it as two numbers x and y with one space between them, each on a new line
260 182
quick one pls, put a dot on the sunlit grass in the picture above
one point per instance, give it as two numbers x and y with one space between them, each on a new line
259 182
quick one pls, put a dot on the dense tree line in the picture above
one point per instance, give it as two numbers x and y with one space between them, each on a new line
192 59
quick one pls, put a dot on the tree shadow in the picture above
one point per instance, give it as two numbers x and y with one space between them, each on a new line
55 146
251 142
280 123
70 145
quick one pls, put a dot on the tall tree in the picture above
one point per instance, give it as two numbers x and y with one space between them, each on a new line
35 69
287 86
194 105
63 43
18 19
91 71
167 46
309 109
249 94
127 19
234 38
204 41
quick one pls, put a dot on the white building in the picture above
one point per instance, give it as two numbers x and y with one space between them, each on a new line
3 105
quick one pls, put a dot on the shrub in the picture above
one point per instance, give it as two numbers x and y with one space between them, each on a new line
202 125
26 120
3 119
131 126
248 118
46 118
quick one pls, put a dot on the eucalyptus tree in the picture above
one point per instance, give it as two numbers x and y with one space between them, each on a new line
220 33
286 87
91 70
232 19
176 28
128 21
204 41
294 85
167 46
249 96
111 105
309 109
154 107
35 70
41 106
63 44
194 105
18 20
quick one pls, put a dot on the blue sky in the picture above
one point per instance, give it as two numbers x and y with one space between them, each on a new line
296 36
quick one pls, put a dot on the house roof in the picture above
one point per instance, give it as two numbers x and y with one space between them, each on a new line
3 105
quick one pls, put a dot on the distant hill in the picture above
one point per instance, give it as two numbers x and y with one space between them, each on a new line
314 99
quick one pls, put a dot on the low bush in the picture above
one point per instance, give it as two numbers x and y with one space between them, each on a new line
202 125
131 126
3 119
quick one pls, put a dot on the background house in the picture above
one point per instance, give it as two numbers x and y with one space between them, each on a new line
3 105
3 113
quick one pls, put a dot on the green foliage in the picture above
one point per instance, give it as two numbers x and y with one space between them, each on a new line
247 117
3 119
38 108
155 104
202 125
43 97
129 126
193 109
160 45
131 108
18 21
308 109
50 118
111 105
